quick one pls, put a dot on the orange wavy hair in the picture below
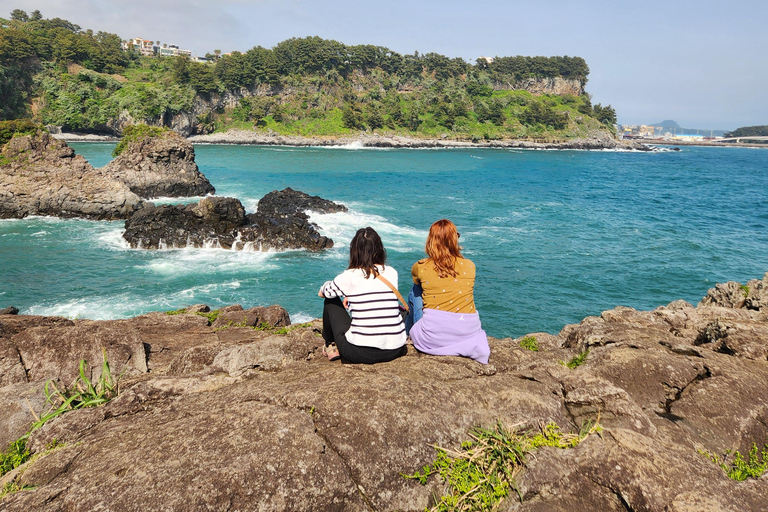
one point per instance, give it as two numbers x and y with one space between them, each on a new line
443 247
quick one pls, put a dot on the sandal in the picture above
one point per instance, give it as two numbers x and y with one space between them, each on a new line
331 352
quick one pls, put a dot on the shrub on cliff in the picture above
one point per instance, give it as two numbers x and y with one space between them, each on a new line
135 132
17 127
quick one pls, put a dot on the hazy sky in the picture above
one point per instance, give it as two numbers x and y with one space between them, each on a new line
701 63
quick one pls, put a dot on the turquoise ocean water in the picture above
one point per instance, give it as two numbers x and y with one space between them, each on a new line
556 235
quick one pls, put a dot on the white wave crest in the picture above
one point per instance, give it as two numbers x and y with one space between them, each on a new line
342 226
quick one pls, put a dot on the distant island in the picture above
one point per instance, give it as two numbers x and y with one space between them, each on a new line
82 81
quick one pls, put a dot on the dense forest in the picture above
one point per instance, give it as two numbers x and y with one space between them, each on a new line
745 131
58 74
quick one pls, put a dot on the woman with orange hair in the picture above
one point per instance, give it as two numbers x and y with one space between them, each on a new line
443 320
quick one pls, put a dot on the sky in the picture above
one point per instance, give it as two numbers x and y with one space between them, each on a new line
700 63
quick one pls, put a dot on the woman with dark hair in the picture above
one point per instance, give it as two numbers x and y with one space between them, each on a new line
443 320
375 333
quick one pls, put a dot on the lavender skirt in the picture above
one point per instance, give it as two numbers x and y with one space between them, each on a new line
442 333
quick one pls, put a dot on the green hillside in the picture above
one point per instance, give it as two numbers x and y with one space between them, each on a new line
58 74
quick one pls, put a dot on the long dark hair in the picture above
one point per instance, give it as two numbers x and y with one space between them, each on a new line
366 251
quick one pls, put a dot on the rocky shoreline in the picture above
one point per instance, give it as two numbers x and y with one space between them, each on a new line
597 141
239 410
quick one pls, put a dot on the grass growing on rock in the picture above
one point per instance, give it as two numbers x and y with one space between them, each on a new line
530 343
577 360
81 394
13 487
481 473
16 455
739 468
135 132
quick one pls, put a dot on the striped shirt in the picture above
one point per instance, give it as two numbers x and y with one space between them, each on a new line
376 320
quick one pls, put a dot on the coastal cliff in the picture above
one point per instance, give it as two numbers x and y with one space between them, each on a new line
40 175
234 409
159 164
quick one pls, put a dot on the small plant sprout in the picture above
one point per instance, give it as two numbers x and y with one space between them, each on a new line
739 468
529 343
577 360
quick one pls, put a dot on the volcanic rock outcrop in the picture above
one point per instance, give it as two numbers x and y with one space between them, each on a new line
280 222
160 165
232 417
40 175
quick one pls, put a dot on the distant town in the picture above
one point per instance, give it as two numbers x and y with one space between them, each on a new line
150 48
668 130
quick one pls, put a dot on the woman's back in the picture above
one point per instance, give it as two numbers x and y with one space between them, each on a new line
449 293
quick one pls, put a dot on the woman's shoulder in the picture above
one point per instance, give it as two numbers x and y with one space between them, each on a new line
387 270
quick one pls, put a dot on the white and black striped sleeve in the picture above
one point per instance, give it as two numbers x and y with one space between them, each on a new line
331 290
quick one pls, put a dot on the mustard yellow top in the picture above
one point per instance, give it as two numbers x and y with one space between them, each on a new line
454 294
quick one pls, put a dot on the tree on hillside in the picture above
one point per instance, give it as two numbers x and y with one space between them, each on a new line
605 114
352 117
746 131
19 15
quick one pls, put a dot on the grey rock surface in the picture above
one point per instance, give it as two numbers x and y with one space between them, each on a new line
279 223
258 419
43 176
160 166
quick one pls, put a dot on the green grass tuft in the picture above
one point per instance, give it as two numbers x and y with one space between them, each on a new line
529 343
576 361
211 315
16 455
481 473
12 488
744 290
739 468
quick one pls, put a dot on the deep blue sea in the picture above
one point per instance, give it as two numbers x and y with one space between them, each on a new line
555 235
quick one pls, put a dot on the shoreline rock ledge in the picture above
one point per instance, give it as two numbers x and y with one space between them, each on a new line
222 416
280 222
160 166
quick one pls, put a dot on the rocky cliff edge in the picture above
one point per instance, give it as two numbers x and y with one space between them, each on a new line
40 175
222 416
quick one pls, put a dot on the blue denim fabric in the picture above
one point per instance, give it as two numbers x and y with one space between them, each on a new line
416 305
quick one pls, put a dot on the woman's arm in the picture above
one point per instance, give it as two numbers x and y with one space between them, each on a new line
415 273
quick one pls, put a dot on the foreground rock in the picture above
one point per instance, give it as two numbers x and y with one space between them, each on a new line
238 418
280 222
40 175
160 166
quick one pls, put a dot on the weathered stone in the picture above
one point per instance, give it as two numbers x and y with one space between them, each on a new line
19 403
55 353
11 368
221 222
271 316
163 165
43 176
728 295
10 310
289 430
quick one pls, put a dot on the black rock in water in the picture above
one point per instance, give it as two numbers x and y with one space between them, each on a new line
279 223
10 310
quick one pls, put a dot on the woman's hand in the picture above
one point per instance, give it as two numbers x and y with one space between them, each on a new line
320 293
346 303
